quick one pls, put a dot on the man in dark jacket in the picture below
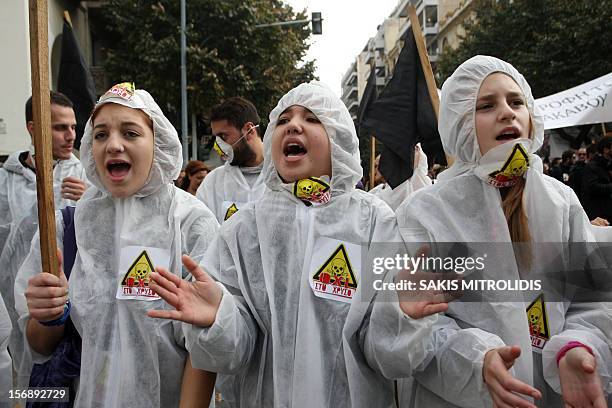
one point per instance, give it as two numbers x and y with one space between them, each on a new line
597 182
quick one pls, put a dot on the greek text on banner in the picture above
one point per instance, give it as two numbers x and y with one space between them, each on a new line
584 104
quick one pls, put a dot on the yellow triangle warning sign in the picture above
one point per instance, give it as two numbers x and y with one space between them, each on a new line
538 322
516 165
138 274
310 188
230 211
337 270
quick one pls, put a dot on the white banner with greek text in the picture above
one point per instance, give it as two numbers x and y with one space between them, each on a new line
584 104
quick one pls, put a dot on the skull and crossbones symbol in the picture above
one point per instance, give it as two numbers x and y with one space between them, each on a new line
534 319
307 188
337 267
141 270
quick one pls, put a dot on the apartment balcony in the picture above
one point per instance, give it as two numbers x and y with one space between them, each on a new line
431 29
350 73
349 93
379 43
379 63
350 78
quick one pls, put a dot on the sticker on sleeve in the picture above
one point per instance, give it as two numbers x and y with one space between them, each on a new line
135 266
538 323
230 208
335 269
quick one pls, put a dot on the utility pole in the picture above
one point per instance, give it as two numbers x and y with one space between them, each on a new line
194 137
184 84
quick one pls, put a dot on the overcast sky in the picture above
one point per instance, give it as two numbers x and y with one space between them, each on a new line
347 25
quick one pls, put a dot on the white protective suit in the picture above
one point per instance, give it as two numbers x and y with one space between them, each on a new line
394 197
225 190
128 359
6 366
462 207
19 219
18 206
18 193
288 345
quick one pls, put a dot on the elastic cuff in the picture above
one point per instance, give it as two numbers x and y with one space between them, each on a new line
60 320
570 345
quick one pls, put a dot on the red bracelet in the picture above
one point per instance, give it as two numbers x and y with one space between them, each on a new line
570 345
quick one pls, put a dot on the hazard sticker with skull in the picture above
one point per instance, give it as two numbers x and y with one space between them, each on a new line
515 166
538 322
312 190
135 267
335 269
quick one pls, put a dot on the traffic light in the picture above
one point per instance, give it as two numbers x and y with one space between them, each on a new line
317 23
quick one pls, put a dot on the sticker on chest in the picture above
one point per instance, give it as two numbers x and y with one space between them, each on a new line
230 211
135 267
538 322
335 278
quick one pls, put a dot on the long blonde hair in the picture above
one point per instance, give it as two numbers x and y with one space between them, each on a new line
518 226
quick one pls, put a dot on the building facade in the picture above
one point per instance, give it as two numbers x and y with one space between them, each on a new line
442 24
15 75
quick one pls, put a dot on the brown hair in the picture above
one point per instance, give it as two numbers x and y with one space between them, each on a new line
193 167
518 226
56 98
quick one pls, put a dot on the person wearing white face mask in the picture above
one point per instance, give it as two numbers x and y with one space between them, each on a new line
504 353
131 220
226 189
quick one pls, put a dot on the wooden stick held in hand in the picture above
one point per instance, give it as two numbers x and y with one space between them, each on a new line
41 109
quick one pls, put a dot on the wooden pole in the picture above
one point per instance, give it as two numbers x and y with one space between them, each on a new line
41 109
67 18
426 65
372 160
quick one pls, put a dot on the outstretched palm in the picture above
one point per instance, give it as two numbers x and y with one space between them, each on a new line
194 302
580 382
421 303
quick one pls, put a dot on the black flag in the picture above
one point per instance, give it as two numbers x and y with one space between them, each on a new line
75 81
403 116
368 97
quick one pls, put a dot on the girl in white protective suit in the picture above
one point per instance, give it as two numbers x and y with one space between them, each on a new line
286 310
131 220
495 353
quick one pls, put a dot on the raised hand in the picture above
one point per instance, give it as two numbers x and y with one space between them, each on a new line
502 386
600 222
47 294
580 383
194 302
73 188
420 303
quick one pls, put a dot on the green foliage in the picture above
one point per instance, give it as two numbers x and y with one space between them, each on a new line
555 44
226 55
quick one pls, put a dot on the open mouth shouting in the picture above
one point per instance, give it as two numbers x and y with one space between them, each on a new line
118 169
294 149
509 133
